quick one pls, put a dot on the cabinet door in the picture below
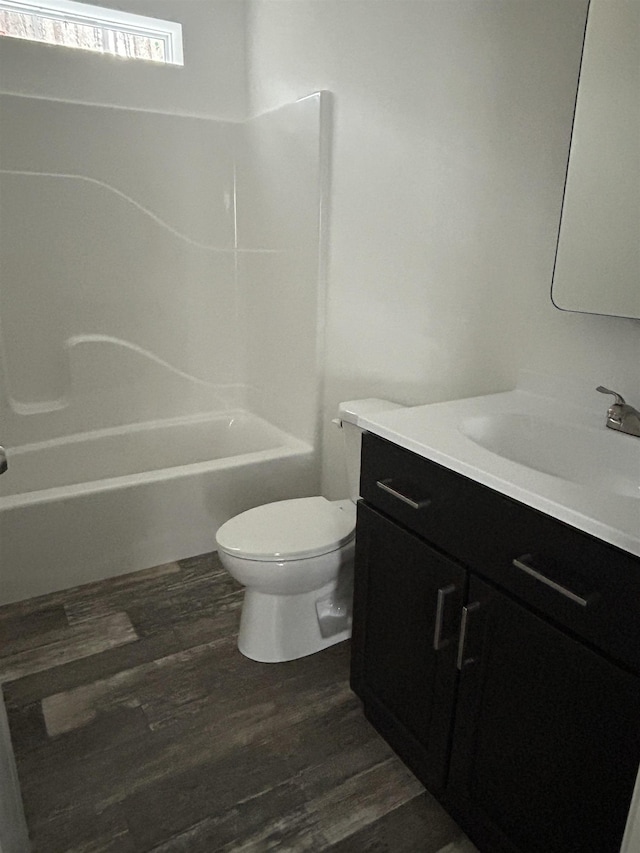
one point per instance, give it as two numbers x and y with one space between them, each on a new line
547 735
407 602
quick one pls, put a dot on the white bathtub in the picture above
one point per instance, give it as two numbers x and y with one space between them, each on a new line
112 501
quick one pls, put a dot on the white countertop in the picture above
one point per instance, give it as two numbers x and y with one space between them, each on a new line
434 431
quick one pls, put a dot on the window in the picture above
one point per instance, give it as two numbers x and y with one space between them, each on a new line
71 24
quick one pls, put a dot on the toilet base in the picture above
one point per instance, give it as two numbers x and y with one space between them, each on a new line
277 628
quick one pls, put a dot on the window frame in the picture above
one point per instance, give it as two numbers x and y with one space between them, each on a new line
109 20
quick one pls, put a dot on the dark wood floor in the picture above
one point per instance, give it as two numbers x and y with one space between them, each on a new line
138 726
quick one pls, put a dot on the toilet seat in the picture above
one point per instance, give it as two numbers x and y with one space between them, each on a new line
289 530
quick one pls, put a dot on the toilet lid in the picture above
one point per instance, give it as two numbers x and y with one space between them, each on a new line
294 529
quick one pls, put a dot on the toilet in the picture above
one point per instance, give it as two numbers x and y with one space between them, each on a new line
295 560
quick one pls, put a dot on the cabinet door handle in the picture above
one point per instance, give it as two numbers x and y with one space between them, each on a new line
438 641
524 564
386 487
470 608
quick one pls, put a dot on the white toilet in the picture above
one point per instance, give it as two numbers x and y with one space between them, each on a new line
295 559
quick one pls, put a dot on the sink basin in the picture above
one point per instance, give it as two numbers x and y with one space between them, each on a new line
544 444
601 459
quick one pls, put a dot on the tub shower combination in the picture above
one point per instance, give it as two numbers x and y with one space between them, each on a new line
116 500
152 386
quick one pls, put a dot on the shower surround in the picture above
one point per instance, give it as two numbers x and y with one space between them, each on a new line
160 317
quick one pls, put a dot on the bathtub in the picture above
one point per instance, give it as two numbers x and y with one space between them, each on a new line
107 502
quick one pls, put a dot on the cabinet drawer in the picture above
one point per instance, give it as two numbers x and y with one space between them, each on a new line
585 585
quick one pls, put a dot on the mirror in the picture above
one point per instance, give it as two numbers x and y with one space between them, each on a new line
597 266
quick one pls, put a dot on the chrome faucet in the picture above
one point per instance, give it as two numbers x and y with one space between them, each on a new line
621 415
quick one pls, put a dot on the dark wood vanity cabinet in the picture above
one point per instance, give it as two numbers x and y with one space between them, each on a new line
516 702
546 743
404 642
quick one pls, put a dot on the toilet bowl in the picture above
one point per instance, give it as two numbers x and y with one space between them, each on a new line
295 560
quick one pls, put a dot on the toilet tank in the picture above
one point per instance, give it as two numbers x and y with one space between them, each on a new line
348 418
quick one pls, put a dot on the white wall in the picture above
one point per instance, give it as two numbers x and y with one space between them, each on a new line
155 259
280 190
117 258
452 122
211 83
117 219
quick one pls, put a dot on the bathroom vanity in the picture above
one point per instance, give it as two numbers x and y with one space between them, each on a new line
496 637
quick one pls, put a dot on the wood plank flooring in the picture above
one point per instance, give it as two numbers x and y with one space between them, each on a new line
138 726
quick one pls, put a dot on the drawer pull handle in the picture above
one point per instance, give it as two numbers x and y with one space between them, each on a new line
384 485
438 641
524 564
462 661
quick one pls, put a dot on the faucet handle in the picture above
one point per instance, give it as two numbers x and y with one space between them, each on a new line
619 401
621 415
